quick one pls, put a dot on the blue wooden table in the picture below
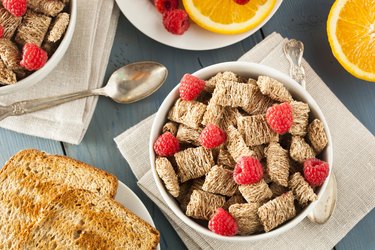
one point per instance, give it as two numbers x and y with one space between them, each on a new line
301 19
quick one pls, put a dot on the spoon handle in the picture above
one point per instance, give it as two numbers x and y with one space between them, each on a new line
323 210
29 106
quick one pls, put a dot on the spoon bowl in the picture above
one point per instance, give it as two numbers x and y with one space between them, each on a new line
135 81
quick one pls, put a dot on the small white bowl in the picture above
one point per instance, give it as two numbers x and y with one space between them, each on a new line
40 74
247 70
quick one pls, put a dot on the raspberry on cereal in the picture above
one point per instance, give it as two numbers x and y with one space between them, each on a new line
1 31
33 57
280 117
315 171
176 21
190 87
165 5
223 223
16 7
212 136
248 170
166 145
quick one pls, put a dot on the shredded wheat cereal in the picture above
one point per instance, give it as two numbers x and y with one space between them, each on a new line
302 190
300 150
246 217
274 89
277 163
220 181
257 192
317 136
203 205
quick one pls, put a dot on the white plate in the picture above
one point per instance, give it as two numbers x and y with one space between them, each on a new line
143 15
130 200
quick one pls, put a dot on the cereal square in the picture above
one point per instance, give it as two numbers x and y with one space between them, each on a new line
10 54
58 27
220 181
274 89
255 130
232 94
213 114
236 145
9 22
300 150
203 205
277 211
317 135
257 192
188 135
33 28
49 8
6 75
229 117
170 127
277 163
300 111
193 163
189 113
186 189
259 103
302 190
219 78
166 172
246 216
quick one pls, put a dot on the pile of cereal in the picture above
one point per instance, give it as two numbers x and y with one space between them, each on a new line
240 153
30 32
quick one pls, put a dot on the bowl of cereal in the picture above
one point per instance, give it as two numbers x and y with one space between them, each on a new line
34 40
240 151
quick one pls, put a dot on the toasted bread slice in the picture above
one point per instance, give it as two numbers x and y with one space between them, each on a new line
31 179
80 219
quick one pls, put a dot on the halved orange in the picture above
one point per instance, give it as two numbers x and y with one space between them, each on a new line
351 34
226 16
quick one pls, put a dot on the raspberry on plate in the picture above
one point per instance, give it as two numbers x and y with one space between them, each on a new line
176 21
223 223
248 170
190 87
315 171
33 57
212 136
16 7
242 2
279 117
166 145
165 5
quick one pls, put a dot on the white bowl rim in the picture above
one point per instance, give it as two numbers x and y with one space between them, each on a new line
52 62
232 66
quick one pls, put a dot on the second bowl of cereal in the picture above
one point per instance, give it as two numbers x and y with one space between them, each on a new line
240 151
33 39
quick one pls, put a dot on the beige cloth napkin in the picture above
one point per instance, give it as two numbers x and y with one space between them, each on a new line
354 166
83 67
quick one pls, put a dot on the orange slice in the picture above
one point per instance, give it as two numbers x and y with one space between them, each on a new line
226 16
351 34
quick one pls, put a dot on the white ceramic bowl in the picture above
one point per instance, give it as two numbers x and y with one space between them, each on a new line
38 75
247 70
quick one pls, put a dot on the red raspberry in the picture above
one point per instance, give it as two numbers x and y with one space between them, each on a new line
248 170
315 171
242 2
1 31
212 136
166 145
16 7
190 87
223 223
33 57
280 117
176 21
165 5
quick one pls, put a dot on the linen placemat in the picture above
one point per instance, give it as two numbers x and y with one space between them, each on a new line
354 167
82 67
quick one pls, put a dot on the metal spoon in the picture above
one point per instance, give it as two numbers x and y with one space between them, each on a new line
128 84
323 210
